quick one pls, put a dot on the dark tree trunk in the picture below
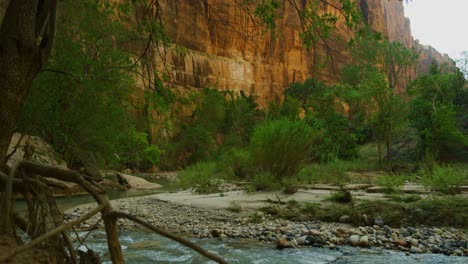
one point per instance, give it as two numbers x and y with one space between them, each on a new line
26 38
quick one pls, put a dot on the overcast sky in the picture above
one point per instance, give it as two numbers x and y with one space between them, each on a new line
443 24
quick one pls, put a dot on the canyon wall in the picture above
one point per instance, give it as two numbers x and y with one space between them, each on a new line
220 44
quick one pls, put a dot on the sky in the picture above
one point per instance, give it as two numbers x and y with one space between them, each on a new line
443 24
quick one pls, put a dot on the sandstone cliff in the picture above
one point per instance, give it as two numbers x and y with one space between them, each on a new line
220 44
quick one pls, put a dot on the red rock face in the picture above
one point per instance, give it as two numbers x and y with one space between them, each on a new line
220 44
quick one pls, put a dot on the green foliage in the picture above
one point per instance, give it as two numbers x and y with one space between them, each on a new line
445 179
281 146
80 99
391 183
324 112
240 161
264 181
235 207
433 114
329 172
135 152
204 177
342 196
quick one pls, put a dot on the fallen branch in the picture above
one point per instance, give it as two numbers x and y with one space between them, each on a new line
169 235
51 233
99 194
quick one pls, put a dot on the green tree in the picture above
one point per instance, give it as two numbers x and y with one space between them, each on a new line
81 99
433 114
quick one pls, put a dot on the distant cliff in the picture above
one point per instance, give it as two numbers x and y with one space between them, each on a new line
224 47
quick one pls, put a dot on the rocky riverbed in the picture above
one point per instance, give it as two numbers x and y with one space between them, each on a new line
223 224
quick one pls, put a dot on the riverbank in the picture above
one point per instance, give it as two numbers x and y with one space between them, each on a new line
203 218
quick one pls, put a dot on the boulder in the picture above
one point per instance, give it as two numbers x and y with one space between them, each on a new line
354 240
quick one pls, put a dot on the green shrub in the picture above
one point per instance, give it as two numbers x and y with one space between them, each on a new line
240 161
290 185
264 182
391 183
330 172
447 180
342 196
281 146
204 177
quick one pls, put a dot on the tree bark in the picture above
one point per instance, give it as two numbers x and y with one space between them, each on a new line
26 37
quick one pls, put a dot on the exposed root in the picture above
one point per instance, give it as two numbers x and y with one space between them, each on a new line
44 215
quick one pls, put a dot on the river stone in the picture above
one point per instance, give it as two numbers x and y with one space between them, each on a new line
417 250
438 231
282 243
411 230
364 241
414 242
401 242
302 240
341 232
354 240
345 219
315 232
294 243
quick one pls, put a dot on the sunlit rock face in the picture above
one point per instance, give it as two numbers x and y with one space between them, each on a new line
220 44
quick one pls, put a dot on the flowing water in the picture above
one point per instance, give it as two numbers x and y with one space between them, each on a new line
146 247
143 247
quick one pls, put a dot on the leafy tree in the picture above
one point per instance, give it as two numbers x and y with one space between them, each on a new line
323 111
433 114
80 99
385 112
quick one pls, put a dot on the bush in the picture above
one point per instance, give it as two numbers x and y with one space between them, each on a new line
205 177
264 182
239 160
447 180
281 146
330 172
391 183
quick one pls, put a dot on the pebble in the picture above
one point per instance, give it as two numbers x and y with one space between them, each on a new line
222 224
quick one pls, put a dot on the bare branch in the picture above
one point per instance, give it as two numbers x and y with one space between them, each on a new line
52 233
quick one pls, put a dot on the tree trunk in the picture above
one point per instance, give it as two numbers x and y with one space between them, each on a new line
26 38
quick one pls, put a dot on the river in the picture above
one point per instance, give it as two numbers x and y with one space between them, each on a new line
145 247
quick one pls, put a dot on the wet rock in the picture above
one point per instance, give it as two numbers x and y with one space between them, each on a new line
364 241
354 240
282 243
